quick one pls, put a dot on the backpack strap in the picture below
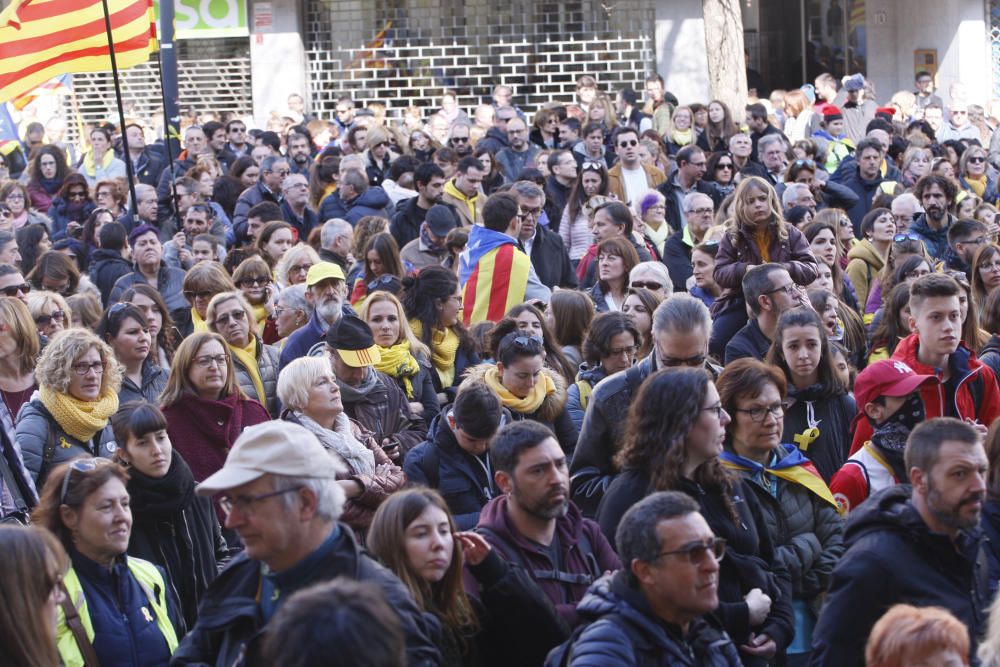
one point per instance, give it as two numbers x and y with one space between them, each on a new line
75 625
512 554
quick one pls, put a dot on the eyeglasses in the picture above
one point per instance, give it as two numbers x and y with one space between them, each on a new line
979 240
690 362
281 172
237 130
759 413
717 409
46 320
80 465
629 142
628 350
701 211
457 140
16 196
300 268
724 165
381 280
530 212
255 281
208 360
791 289
652 286
191 295
235 316
245 504
83 369
697 551
14 290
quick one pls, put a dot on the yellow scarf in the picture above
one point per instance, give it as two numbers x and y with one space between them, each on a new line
248 357
200 325
682 137
80 419
978 185
260 314
527 405
397 362
470 202
444 349
90 165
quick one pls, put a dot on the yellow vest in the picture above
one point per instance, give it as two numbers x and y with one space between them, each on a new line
149 579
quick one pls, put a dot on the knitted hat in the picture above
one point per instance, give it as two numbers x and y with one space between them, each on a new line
885 112
854 83
832 113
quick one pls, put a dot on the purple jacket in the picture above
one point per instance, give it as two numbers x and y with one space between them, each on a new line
500 532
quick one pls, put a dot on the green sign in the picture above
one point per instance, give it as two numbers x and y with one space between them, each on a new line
205 19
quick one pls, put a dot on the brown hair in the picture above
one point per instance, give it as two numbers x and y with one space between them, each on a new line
572 313
80 484
745 378
15 315
179 384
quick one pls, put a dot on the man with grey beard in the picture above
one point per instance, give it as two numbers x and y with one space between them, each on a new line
326 290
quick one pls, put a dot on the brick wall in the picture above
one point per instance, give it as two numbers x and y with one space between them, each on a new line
472 45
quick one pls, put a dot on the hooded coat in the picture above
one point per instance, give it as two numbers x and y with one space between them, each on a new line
863 267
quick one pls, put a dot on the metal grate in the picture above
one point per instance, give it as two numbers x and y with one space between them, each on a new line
403 52
211 75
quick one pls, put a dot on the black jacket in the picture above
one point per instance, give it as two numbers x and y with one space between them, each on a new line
551 261
990 354
677 257
675 217
751 558
893 557
302 225
465 481
494 141
749 341
849 175
832 415
556 196
623 632
106 267
177 530
405 225
230 628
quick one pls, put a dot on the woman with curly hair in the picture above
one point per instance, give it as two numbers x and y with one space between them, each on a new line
610 347
675 432
78 380
46 174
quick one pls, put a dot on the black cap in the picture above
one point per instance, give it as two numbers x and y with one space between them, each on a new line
353 341
441 219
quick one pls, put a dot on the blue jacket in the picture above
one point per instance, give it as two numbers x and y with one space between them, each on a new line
848 174
623 632
125 630
373 201
465 481
935 240
574 405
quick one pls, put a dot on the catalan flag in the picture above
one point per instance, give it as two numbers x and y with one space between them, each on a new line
792 467
493 273
41 39
60 85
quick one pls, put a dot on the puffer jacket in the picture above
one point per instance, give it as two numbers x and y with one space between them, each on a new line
385 412
154 379
591 467
863 267
574 402
935 240
552 412
170 285
832 415
463 480
267 366
624 632
807 532
990 354
36 427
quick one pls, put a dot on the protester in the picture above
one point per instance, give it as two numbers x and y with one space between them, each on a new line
610 347
124 329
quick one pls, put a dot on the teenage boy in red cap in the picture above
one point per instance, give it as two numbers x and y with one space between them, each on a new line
887 396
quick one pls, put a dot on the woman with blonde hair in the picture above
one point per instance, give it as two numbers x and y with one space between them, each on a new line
78 379
798 115
201 282
683 132
379 155
255 363
30 594
255 281
916 163
294 266
404 357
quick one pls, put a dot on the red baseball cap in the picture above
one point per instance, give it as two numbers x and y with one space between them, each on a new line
888 377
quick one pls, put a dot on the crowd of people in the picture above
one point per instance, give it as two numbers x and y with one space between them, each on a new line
633 383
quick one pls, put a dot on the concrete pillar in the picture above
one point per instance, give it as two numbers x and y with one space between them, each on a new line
277 55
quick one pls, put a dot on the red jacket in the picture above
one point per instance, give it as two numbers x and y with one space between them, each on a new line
964 365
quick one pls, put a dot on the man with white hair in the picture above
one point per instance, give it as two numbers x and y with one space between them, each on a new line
335 241
279 491
326 290
699 215
958 126
652 276
798 194
905 208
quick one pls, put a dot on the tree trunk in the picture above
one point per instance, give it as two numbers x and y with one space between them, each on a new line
727 73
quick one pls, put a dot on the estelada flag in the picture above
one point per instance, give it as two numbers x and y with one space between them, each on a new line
792 466
493 273
41 39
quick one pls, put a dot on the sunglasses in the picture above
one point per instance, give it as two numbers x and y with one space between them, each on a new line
979 159
724 165
46 320
235 316
255 281
646 284
593 166
905 236
626 144
191 295
697 551
76 194
80 465
14 290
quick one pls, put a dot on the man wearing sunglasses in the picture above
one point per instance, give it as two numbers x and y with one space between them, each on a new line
13 284
629 179
965 237
657 608
958 127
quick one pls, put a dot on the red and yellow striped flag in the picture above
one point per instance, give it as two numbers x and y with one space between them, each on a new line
41 39
496 285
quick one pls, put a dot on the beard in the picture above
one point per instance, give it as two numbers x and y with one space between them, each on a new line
330 309
544 508
951 516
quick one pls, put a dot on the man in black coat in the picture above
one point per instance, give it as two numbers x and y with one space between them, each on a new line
429 181
108 263
545 248
684 180
918 545
455 457
296 536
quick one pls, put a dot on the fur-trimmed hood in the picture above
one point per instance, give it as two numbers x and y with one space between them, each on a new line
551 407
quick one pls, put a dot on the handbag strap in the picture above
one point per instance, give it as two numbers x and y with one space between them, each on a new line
75 625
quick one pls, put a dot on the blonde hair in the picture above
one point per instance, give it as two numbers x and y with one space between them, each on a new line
38 300
64 348
297 378
740 218
179 384
16 316
85 306
405 332
294 254
222 297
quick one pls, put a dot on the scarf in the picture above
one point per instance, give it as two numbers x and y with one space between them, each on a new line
248 357
658 237
978 185
50 185
444 350
200 325
260 315
682 137
163 498
793 467
432 247
90 165
341 440
398 363
352 394
80 419
890 436
527 405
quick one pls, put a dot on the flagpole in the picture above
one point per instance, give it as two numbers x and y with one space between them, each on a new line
121 110
171 112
